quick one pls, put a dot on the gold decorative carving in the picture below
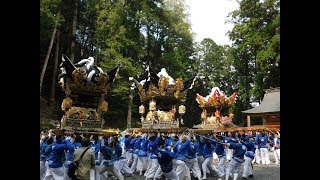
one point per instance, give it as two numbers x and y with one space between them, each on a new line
82 113
178 86
66 104
141 109
163 85
103 107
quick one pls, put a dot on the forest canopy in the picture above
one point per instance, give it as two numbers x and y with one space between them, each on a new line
137 33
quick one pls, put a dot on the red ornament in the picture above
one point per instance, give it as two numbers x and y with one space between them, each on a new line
216 94
173 110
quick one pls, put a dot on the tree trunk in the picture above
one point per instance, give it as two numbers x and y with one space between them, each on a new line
148 45
74 28
48 54
129 111
91 50
247 83
96 59
83 47
55 67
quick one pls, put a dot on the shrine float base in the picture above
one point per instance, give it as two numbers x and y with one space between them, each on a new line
169 130
272 128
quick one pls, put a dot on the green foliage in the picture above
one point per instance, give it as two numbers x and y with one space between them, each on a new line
214 66
256 39
49 13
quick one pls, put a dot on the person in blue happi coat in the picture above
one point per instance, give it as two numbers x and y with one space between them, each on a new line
55 159
74 143
192 160
248 157
237 158
109 158
165 157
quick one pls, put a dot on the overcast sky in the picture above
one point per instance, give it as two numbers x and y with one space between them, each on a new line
208 19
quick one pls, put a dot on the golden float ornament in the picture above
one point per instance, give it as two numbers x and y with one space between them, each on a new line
217 114
163 85
201 101
161 91
211 119
103 107
80 76
152 105
149 115
141 109
66 104
231 115
204 114
178 86
216 104
182 109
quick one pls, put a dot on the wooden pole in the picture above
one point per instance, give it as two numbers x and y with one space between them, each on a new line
129 109
248 121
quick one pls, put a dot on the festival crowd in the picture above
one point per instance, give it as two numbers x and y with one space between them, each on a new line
175 156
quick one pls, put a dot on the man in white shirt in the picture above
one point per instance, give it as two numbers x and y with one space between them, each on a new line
276 145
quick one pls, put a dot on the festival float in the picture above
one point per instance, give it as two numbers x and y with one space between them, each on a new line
85 86
159 95
216 110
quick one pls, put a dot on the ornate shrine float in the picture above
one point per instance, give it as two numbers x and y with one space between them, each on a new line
216 111
85 86
161 94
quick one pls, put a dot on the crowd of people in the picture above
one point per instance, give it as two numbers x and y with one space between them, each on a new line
156 155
